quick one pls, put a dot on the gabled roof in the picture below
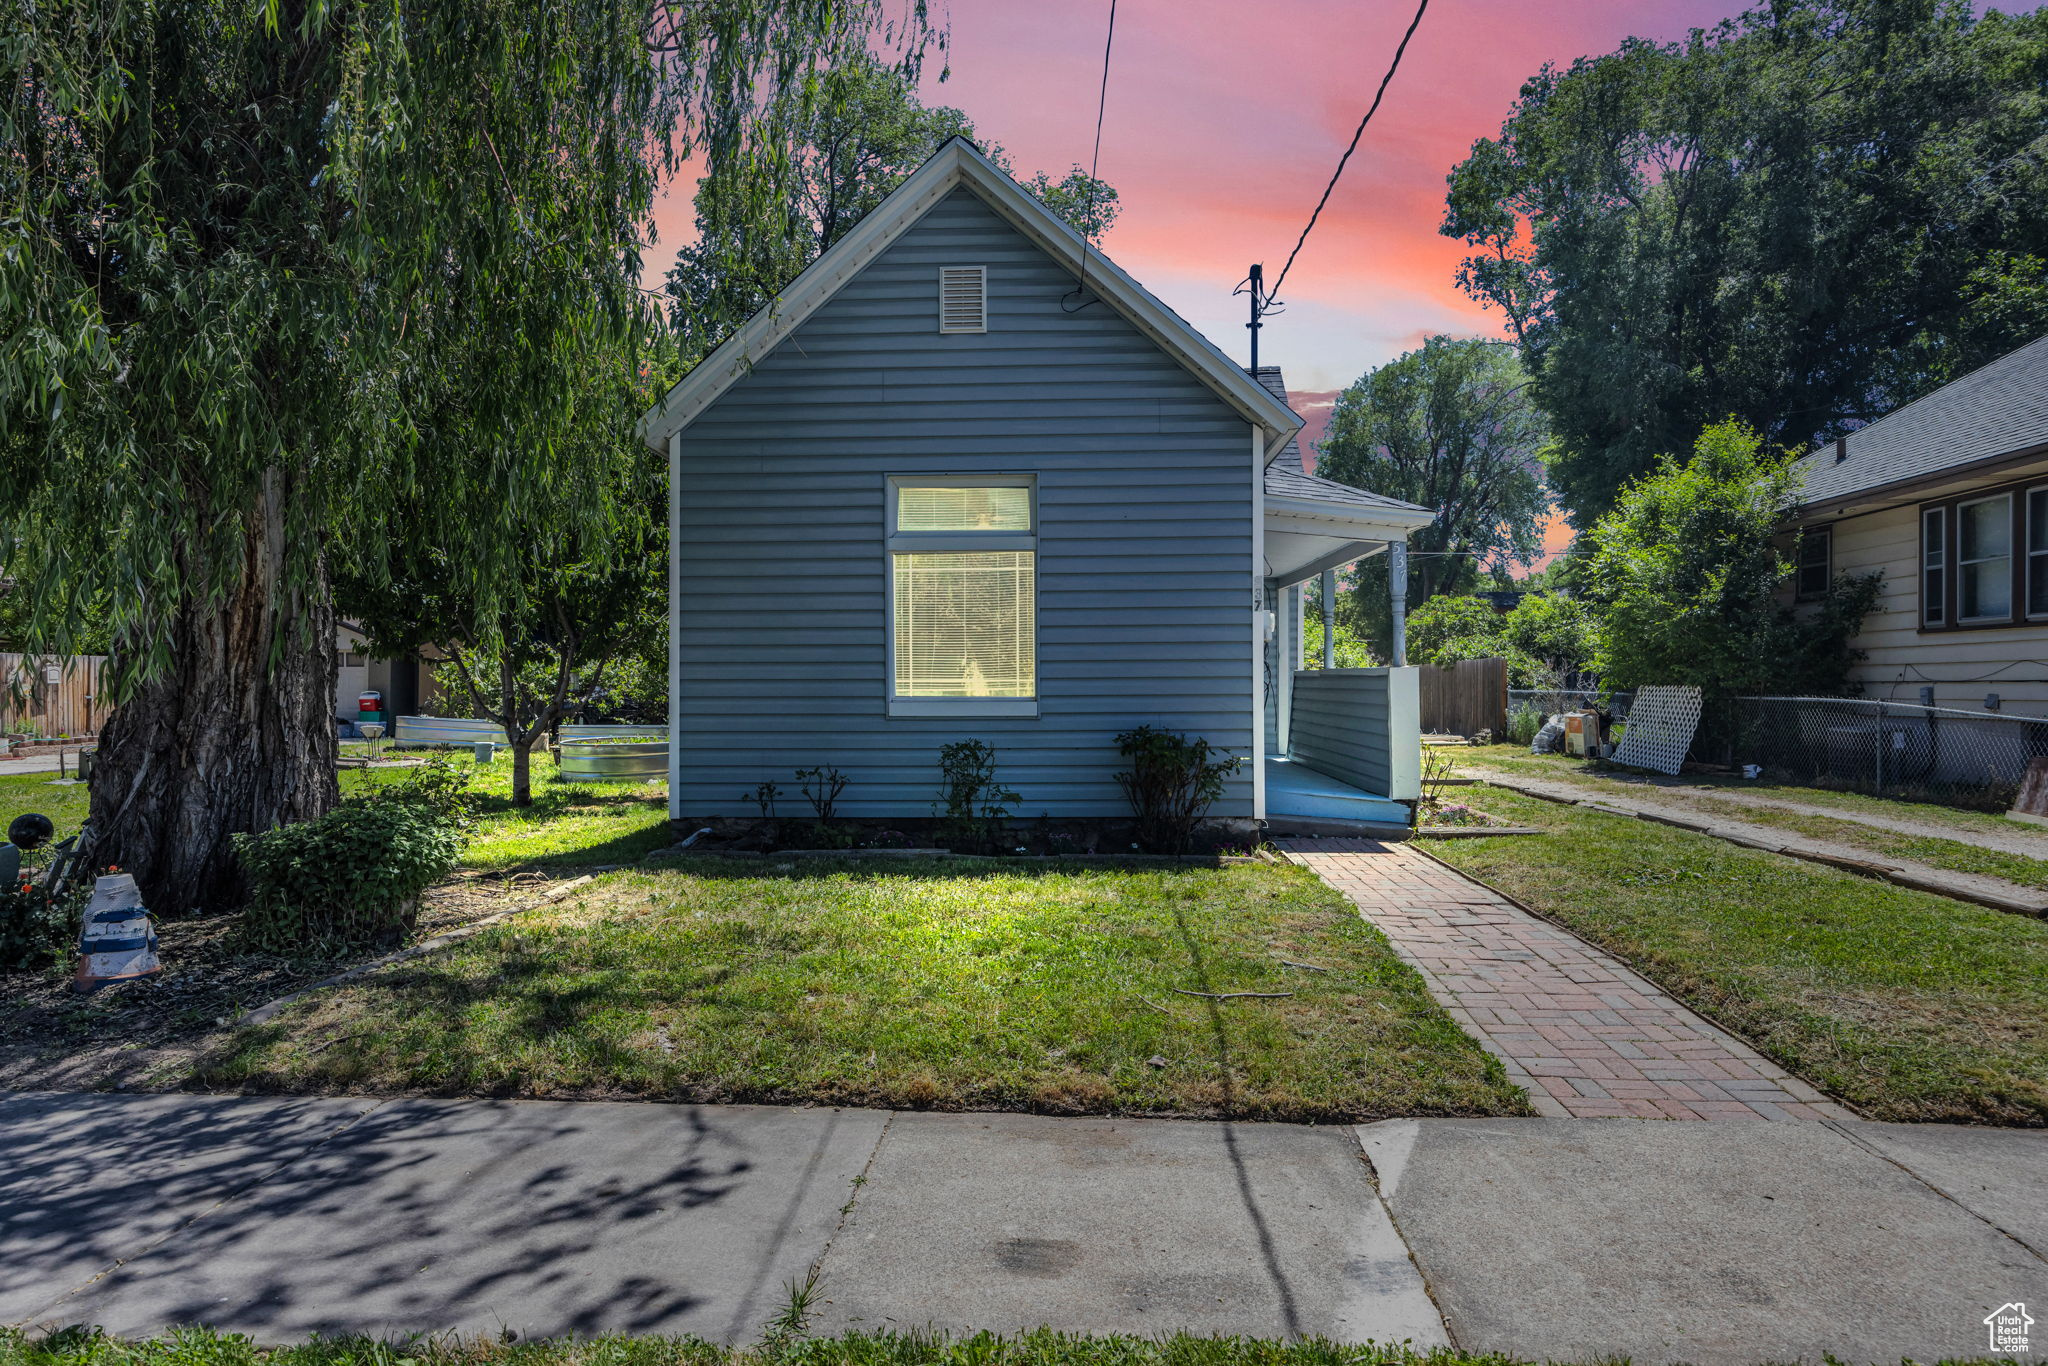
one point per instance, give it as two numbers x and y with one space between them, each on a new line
1999 410
960 164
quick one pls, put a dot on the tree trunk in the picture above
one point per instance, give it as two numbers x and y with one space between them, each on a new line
522 768
225 741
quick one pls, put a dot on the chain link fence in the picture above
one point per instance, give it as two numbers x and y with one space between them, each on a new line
1889 749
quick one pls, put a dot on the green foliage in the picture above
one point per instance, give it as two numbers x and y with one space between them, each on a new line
1171 782
759 224
1524 720
1450 427
1686 575
1449 630
1803 217
354 876
972 807
1542 638
1558 633
1353 651
34 929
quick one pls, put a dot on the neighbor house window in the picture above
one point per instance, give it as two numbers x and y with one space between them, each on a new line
1984 559
1816 549
963 596
1934 567
2037 552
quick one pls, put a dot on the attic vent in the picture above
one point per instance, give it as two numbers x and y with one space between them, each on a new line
963 298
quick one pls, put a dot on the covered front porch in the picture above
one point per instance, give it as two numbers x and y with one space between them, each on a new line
1343 747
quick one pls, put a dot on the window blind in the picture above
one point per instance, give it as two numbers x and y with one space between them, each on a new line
963 509
965 623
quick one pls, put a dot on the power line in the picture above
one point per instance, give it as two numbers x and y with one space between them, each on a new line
1094 166
1381 94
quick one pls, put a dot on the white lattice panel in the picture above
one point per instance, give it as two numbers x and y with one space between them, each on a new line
1661 723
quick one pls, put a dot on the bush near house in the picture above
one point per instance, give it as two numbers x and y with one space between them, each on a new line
355 875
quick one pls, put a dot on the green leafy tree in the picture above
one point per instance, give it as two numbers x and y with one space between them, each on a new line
1560 634
1449 629
1452 427
760 223
588 609
248 251
1803 217
1686 576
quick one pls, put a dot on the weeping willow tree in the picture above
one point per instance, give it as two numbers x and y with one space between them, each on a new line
259 262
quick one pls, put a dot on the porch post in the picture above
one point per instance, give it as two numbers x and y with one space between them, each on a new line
1397 592
1329 618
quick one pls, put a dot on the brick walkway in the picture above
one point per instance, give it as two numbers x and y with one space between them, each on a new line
1584 1035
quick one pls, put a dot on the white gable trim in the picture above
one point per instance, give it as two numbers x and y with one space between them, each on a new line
958 164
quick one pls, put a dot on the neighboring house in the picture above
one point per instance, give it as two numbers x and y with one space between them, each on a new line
1947 497
939 490
407 685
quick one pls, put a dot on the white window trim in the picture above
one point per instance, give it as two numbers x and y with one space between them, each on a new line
1937 546
940 542
1963 564
2029 555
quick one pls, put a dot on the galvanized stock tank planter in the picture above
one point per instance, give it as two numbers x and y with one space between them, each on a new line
614 754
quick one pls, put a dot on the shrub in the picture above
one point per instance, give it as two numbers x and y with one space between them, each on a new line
34 930
972 807
354 876
1171 782
1523 722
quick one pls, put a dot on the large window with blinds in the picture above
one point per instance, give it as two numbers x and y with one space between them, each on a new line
963 596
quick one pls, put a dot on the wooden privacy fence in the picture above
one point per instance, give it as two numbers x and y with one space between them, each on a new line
51 695
1466 698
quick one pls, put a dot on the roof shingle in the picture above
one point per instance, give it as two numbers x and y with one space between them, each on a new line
1997 410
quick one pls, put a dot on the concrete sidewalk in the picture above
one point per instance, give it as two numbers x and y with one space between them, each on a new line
1563 1239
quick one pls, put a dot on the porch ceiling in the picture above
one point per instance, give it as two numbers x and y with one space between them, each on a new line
1313 524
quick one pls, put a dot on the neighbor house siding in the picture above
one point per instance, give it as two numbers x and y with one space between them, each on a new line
1961 665
1145 521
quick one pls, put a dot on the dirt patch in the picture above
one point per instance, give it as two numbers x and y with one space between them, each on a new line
145 1033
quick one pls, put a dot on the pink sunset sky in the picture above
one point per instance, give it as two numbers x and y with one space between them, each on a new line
1223 123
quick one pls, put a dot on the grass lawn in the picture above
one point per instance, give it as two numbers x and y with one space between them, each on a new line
1953 855
944 984
1935 853
1909 1006
568 825
201 1347
1518 759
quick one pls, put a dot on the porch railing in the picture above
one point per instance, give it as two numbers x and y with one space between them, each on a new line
1360 726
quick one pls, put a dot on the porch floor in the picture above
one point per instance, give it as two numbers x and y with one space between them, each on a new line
1297 793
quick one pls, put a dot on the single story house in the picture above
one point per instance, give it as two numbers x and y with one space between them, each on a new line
965 478
1947 498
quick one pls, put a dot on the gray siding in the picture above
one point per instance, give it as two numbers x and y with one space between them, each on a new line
1144 550
1341 726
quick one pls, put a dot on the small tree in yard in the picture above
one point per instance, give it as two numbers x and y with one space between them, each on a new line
529 664
1686 577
